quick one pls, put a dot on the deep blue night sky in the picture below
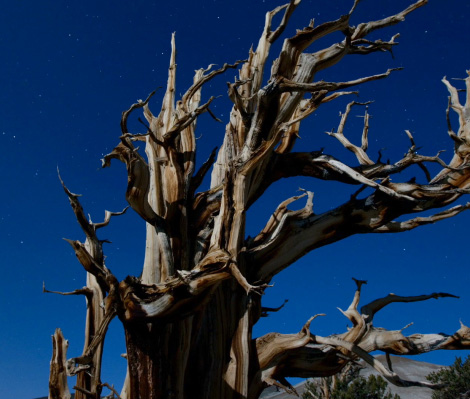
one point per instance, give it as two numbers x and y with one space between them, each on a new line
69 68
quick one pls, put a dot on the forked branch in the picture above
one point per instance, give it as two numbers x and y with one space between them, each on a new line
307 355
398 227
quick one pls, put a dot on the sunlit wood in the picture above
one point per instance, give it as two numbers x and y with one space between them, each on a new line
188 318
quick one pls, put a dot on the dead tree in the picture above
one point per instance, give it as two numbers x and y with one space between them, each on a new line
188 317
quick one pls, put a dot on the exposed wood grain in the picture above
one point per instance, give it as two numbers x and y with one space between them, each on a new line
188 317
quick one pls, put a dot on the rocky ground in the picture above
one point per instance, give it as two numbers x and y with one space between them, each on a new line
405 368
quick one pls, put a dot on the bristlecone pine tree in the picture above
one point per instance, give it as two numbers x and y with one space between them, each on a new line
188 318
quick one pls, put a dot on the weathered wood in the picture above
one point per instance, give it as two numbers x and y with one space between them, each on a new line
58 387
188 318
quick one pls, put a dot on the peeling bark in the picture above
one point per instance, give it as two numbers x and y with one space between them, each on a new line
188 318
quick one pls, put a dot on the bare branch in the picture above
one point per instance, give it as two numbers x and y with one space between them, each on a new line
294 46
186 120
365 132
254 67
90 264
111 388
137 105
276 219
272 37
359 152
317 99
201 173
108 216
138 182
362 179
352 313
288 86
81 291
451 133
387 374
265 310
363 30
454 97
398 227
373 307
85 361
241 279
206 78
270 349
306 233
78 210
356 3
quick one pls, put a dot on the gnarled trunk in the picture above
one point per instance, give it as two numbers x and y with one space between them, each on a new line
196 357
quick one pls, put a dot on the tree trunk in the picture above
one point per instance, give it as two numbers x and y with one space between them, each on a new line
58 387
195 357
156 354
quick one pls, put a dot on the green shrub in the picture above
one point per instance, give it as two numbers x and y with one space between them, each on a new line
456 379
349 385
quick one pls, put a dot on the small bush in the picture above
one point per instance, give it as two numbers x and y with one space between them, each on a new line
349 385
456 379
